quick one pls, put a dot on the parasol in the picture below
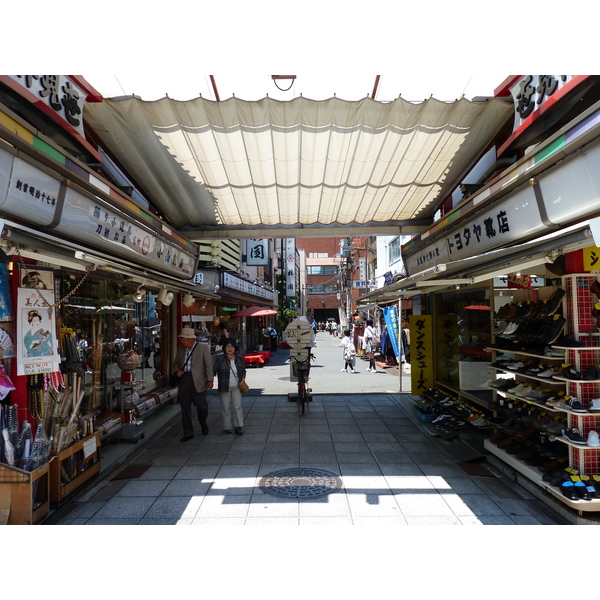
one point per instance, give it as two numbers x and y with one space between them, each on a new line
254 311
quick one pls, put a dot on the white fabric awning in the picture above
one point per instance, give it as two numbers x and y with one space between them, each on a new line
212 167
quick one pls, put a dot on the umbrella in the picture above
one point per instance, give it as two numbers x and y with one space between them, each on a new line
331 319
254 311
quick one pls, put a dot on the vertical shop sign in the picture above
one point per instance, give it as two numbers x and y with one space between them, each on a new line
37 350
257 252
390 315
290 267
421 339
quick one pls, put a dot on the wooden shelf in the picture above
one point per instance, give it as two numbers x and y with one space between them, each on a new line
520 353
549 380
86 465
536 477
24 494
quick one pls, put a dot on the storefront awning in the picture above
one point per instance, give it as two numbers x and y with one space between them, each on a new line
267 168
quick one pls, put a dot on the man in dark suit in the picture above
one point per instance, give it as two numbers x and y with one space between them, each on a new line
196 377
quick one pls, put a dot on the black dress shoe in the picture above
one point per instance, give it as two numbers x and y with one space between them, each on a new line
239 430
204 429
186 438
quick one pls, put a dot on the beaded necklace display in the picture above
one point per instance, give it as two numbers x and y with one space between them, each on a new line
36 396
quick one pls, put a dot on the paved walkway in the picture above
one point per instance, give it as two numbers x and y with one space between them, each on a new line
392 471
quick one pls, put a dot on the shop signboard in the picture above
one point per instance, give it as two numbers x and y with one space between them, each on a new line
421 352
37 197
257 252
241 285
290 267
516 218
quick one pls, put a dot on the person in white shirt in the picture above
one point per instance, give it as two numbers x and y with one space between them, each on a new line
370 345
349 352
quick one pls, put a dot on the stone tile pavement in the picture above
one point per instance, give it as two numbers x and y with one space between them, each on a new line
393 473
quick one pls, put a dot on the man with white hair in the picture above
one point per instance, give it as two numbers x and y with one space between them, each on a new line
193 364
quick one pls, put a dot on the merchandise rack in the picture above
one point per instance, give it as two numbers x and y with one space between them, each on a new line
583 326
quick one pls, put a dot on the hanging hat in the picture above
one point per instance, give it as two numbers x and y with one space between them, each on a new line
187 333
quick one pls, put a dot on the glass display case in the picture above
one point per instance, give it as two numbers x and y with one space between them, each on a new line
463 333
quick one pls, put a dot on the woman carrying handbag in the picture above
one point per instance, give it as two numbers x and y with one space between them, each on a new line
231 374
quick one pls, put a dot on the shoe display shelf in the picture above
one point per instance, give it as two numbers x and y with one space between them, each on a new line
448 414
582 352
525 425
582 294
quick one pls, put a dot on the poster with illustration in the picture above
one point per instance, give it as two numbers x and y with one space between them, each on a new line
36 332
37 278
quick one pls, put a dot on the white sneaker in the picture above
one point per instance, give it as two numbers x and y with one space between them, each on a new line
593 439
353 371
369 370
594 405
344 370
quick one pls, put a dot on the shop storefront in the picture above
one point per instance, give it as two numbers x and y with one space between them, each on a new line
91 286
504 328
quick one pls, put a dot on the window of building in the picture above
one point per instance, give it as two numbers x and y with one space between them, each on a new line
322 270
394 250
321 289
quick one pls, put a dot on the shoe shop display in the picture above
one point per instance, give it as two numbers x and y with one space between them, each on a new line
573 436
594 405
568 490
570 373
593 441
582 491
575 405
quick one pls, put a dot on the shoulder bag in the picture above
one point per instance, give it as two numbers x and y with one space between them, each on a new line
242 385
175 380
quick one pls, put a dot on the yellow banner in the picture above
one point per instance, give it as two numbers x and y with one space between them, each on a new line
591 258
421 352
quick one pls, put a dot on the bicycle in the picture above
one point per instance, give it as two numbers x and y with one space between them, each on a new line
301 369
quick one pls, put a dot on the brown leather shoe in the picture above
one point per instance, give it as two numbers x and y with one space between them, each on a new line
228 431
239 430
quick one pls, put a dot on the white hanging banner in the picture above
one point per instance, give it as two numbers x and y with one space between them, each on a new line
290 267
257 252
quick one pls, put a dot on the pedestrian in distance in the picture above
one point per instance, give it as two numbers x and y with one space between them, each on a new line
230 370
371 342
349 352
193 364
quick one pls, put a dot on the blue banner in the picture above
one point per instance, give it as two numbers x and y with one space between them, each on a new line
391 320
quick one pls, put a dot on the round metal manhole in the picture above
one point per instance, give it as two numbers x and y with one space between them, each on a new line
301 484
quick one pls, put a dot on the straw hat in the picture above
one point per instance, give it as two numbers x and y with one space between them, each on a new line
187 333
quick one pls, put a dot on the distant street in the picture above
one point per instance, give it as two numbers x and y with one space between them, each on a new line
326 376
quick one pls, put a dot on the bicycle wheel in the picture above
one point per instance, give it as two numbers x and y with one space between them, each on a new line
302 399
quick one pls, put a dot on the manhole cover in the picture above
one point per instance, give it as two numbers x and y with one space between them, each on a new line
302 484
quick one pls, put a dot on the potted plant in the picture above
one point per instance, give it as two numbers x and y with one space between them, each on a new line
260 337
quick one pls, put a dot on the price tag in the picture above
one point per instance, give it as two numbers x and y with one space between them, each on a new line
89 447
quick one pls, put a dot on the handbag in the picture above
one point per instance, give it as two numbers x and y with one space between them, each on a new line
242 385
175 380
